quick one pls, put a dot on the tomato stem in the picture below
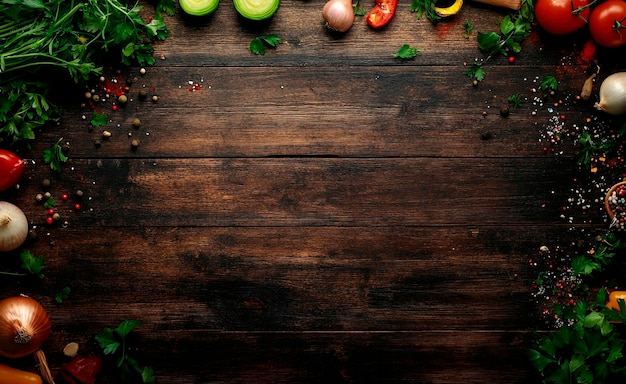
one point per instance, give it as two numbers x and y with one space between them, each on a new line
579 10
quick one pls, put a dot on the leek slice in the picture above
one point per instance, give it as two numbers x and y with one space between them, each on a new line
256 9
198 7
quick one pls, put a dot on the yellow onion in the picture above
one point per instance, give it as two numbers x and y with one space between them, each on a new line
13 227
338 14
613 94
24 326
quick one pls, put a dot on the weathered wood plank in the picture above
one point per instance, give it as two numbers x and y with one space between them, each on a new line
309 191
362 112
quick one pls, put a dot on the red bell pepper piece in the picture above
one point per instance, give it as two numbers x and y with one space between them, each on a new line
82 370
382 13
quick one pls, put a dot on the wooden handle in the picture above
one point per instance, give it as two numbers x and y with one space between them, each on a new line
511 4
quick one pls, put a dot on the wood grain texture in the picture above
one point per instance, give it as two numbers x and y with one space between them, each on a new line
321 214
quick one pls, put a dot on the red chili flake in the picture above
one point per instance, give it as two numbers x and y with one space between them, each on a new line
589 51
511 59
114 107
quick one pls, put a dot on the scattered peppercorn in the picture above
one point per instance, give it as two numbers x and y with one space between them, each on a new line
56 216
79 193
486 136
143 94
47 195
122 99
95 98
106 134
504 111
87 95
45 183
136 123
97 143
39 197
155 98
134 144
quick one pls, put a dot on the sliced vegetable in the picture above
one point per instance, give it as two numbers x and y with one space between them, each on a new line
9 375
198 7
11 169
13 230
256 9
82 370
382 13
614 298
445 8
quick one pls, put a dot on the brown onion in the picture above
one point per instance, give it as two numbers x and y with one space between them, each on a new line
24 326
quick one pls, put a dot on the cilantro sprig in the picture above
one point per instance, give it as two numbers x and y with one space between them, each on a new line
426 8
31 265
259 43
113 341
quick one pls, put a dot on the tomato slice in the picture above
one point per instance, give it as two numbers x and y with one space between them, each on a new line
382 13
11 169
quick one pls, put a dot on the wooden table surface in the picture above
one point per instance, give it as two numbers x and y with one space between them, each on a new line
325 213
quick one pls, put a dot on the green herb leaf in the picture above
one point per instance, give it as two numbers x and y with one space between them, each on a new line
549 83
515 100
475 72
54 156
62 295
425 8
108 341
358 11
32 264
259 43
468 27
98 119
406 52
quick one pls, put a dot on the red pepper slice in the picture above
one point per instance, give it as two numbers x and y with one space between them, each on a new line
82 370
382 13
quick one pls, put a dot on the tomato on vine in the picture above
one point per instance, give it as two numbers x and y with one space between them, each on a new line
607 23
562 17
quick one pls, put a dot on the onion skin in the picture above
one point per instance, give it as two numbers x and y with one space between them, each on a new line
24 326
613 94
13 227
338 14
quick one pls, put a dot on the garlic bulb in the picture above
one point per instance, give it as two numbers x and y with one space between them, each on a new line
613 94
13 227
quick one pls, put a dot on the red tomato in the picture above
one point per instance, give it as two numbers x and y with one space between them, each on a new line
607 23
11 169
382 13
561 17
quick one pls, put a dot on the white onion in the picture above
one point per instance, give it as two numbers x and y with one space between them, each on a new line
613 94
13 227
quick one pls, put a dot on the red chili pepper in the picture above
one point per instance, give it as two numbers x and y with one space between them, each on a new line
82 370
382 13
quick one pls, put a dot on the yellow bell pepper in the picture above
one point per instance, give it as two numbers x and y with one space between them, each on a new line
614 297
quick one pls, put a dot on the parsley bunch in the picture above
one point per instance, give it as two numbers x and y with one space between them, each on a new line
42 39
113 342
589 351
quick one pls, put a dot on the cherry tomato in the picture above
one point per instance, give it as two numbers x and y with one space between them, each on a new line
561 17
607 23
382 13
11 169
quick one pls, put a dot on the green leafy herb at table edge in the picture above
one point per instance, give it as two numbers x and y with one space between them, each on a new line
590 350
425 8
113 342
258 44
514 28
55 36
468 27
358 11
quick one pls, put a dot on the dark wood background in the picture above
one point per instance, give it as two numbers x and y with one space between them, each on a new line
321 214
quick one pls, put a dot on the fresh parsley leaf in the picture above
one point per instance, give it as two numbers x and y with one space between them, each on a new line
468 27
475 72
34 265
549 83
62 295
515 100
54 156
358 11
259 43
406 52
166 6
49 203
114 342
425 8
98 119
